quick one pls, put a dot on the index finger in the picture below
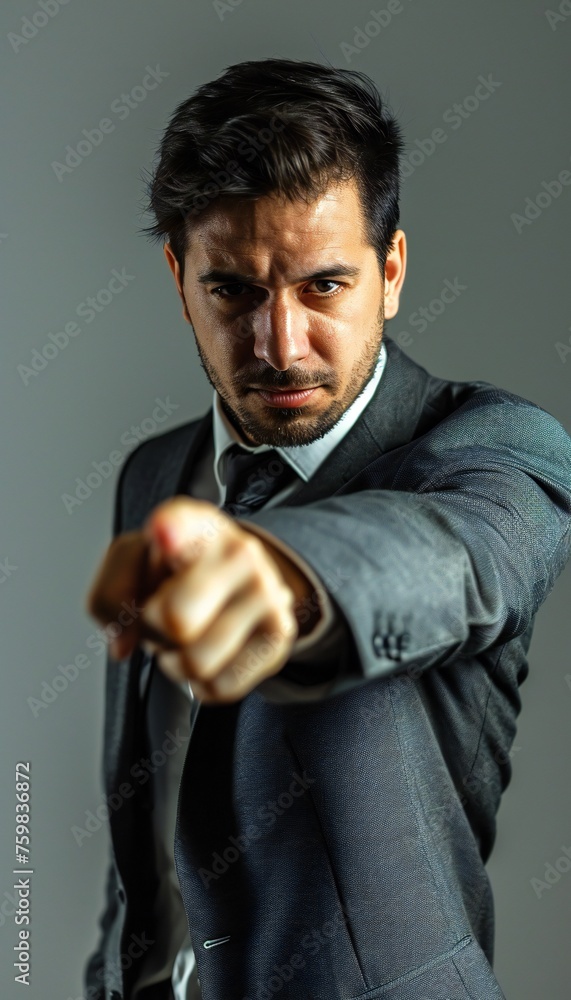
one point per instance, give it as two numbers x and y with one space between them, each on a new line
119 576
126 578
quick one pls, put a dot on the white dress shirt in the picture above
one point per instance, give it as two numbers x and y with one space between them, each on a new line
168 703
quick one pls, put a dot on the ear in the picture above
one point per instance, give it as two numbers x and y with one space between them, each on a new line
174 266
395 271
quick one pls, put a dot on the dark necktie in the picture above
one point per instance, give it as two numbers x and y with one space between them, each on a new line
251 479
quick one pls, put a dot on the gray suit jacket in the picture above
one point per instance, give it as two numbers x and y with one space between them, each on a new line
334 846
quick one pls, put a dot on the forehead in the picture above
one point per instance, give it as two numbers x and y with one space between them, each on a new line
273 230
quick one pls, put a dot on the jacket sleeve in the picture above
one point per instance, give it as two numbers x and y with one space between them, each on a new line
441 549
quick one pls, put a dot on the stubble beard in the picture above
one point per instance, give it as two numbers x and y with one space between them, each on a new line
289 427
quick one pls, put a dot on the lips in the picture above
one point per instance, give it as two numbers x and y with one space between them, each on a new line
290 397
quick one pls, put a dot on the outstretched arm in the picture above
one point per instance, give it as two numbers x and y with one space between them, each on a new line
445 547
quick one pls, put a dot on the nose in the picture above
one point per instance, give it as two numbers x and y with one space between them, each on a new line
280 332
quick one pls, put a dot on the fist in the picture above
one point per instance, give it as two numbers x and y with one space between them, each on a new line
213 601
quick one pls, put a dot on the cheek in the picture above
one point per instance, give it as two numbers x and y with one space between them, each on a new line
349 361
225 333
226 350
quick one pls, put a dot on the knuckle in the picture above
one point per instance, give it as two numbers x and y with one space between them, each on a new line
283 599
252 548
199 664
177 622
287 631
288 597
288 624
266 591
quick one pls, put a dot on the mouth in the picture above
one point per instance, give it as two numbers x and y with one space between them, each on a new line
287 397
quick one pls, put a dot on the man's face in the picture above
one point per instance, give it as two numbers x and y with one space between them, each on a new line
264 323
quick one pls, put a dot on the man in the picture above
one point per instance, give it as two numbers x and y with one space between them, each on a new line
310 707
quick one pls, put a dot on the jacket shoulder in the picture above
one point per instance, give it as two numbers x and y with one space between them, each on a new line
442 397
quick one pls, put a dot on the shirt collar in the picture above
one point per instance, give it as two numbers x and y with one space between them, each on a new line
305 459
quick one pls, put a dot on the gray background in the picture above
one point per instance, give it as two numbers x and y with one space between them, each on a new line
59 241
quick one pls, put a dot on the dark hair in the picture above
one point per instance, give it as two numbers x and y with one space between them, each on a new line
277 126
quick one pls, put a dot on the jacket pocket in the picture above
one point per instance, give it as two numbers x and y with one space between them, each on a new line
462 973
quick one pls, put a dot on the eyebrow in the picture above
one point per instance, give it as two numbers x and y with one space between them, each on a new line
336 268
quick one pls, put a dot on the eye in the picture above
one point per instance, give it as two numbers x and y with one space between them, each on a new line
328 281
234 285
